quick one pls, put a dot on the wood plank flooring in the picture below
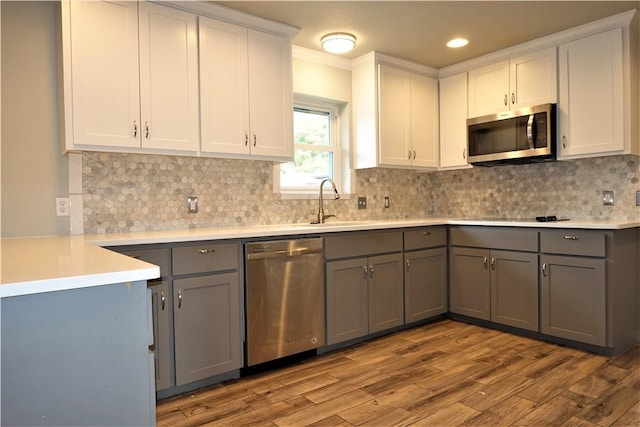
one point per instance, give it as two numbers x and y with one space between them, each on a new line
443 374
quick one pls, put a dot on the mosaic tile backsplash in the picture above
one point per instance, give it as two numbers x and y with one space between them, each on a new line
125 192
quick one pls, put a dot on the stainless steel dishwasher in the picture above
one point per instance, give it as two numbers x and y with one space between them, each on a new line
285 298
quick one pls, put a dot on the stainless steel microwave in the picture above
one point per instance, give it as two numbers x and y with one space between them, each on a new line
525 135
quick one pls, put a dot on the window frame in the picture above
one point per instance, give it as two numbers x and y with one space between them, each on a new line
335 147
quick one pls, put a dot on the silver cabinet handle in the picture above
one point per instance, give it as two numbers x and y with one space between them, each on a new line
513 98
506 100
146 130
464 153
246 139
408 265
255 140
493 263
179 298
365 271
409 155
371 271
564 141
162 300
206 251
571 238
485 260
414 154
135 129
544 269
426 233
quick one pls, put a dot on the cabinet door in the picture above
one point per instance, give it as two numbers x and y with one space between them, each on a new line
347 313
533 79
386 297
105 78
206 314
590 104
425 284
162 333
224 87
271 96
425 145
514 289
488 89
168 78
394 116
470 286
453 121
573 298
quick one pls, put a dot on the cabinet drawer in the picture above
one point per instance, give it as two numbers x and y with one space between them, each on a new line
424 238
204 258
159 257
573 242
495 238
362 244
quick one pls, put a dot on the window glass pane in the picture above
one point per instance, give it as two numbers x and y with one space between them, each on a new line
308 168
311 127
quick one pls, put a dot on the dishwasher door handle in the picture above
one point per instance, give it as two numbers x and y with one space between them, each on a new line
283 253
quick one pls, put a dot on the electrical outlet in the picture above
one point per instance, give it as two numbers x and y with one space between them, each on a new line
362 203
637 198
192 204
607 198
386 201
62 206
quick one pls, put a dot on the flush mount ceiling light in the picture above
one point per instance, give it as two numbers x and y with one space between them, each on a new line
338 42
457 43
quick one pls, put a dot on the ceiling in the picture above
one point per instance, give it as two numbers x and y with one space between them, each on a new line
418 30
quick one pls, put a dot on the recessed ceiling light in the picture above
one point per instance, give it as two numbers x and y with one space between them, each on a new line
338 42
457 43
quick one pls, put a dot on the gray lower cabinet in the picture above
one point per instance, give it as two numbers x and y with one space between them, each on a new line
206 310
78 357
573 298
364 283
492 284
425 273
364 295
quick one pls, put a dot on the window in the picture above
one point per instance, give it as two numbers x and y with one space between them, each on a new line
317 150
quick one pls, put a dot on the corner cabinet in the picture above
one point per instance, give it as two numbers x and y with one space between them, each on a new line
523 81
245 91
130 77
395 107
593 105
453 122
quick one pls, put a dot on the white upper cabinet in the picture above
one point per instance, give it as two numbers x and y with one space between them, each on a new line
591 102
102 94
522 81
246 91
453 122
395 112
168 78
125 94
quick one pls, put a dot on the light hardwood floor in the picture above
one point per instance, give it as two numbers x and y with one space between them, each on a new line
443 374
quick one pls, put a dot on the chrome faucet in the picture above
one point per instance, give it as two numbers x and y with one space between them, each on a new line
321 215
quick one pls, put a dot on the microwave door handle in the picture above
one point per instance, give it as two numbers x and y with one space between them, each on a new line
531 131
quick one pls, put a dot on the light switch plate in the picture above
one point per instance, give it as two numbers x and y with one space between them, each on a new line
607 198
192 204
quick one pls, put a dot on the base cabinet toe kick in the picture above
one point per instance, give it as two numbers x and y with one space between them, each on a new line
576 287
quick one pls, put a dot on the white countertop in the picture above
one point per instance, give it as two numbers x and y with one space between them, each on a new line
47 264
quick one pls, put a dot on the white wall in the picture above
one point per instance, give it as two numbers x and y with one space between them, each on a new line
33 171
